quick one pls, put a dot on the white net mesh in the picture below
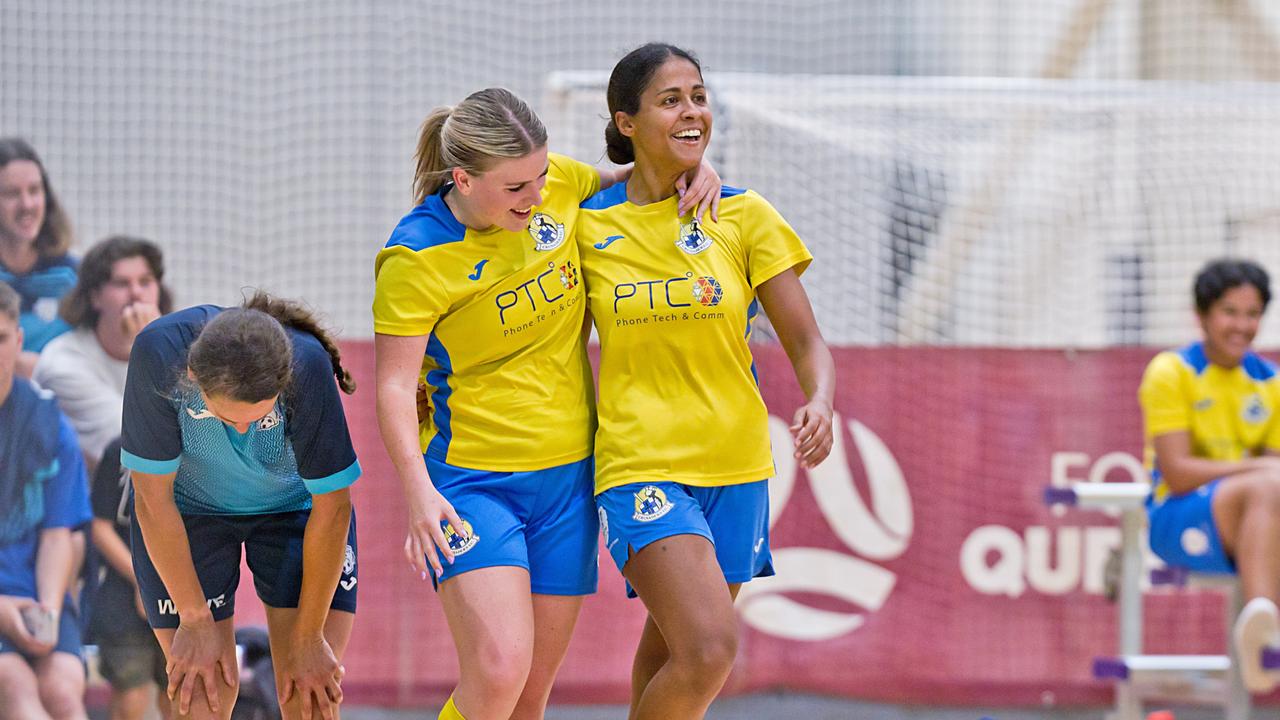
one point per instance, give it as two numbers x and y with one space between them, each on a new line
993 212
269 144
983 172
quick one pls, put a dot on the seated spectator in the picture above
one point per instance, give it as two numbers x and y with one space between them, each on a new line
42 496
35 235
120 290
1212 416
129 656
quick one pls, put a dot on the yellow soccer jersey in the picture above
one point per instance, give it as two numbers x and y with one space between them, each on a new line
1230 414
506 368
673 303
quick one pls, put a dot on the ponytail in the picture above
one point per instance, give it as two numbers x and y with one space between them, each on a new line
431 170
488 126
618 146
245 354
295 315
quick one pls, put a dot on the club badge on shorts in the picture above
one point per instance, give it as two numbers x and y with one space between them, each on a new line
457 543
651 504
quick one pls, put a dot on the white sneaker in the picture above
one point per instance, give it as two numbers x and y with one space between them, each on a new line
1257 627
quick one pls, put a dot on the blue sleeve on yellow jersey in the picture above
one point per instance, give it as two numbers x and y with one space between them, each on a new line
1258 367
428 225
617 194
607 198
408 297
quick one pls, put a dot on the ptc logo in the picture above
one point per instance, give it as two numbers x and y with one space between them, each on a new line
876 533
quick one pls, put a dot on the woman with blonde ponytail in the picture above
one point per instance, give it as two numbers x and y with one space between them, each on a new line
479 298
235 435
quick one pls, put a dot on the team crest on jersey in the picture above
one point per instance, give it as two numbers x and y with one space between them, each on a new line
547 233
457 543
707 291
568 275
271 420
692 239
651 504
1254 411
349 561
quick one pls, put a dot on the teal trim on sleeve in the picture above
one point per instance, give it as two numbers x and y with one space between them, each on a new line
336 481
152 467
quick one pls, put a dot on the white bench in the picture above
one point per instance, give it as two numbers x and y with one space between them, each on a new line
1192 679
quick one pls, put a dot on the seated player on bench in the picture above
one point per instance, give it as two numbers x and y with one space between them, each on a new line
1212 439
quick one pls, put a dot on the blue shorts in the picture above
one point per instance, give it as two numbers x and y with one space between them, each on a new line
735 518
273 549
541 520
68 635
1184 534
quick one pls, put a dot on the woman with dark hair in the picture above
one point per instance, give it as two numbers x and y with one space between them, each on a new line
235 435
120 290
1212 426
682 451
35 236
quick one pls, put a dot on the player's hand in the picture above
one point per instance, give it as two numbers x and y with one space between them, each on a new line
428 511
137 316
197 656
14 628
423 398
701 191
811 428
312 673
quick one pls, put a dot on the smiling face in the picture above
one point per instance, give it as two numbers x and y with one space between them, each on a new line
1231 323
22 202
673 125
504 195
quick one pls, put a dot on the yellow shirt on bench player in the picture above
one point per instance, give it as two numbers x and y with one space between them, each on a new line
1230 413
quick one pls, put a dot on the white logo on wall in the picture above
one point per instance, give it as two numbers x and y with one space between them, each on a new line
1055 559
878 533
